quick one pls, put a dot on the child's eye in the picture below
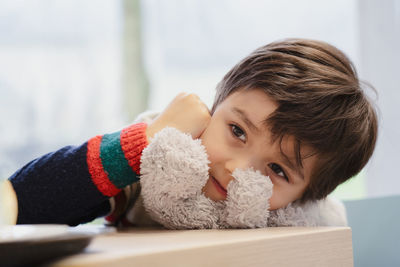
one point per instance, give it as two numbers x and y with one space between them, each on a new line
238 132
278 170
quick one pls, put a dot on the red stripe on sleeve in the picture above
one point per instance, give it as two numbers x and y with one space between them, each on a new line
96 170
133 141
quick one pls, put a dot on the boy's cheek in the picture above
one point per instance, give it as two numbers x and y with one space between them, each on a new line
282 196
213 140
215 148
214 154
276 202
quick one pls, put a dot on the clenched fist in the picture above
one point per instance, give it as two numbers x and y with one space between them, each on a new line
186 112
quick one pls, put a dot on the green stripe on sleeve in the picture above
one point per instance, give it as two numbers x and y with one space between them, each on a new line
114 162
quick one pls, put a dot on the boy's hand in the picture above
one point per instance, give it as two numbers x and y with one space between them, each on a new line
8 204
186 112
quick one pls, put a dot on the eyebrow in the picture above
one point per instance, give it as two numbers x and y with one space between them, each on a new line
242 114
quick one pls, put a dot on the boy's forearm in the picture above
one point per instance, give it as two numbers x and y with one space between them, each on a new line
72 185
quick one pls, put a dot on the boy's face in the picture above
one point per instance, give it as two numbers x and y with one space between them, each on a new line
237 138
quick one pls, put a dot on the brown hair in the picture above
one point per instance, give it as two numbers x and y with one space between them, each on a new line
320 103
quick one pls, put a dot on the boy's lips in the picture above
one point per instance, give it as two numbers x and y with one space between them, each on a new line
218 186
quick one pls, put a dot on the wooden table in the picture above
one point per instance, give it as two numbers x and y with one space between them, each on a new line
281 246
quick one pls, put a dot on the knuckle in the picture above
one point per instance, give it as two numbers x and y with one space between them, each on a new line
181 95
205 113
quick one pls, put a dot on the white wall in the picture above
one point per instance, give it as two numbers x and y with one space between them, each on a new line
60 75
380 59
190 45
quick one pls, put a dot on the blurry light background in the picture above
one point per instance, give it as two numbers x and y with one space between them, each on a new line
72 69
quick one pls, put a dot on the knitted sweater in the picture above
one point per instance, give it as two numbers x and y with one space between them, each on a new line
73 185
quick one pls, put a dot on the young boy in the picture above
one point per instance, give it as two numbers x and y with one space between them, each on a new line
293 110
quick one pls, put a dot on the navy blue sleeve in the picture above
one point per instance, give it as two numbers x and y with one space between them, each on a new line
57 188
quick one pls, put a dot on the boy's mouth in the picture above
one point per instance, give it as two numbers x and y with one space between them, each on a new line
218 186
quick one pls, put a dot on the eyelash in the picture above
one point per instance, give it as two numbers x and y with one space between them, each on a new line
234 129
273 166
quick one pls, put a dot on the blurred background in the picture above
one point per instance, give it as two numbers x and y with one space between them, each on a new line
72 69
